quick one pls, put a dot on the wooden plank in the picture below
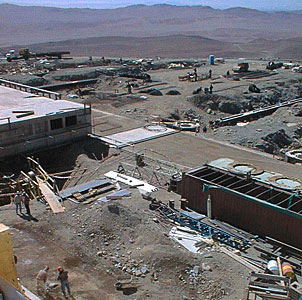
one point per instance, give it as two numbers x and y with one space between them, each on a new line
267 290
240 260
280 270
270 285
50 197
270 277
288 247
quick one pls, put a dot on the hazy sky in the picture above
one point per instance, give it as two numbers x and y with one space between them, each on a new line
258 4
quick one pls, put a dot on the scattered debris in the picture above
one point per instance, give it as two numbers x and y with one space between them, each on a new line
115 196
133 182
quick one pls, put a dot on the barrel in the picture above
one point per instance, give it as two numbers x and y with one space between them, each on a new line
211 60
287 270
272 266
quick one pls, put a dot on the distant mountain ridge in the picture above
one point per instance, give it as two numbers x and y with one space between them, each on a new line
34 24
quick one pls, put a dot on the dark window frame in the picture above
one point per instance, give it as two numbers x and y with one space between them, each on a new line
71 121
56 124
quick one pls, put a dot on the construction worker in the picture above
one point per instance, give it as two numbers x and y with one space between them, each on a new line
195 74
18 202
210 73
129 87
211 89
42 281
63 278
25 199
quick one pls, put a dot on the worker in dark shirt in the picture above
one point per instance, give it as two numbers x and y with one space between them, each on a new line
26 200
129 87
195 74
211 89
63 278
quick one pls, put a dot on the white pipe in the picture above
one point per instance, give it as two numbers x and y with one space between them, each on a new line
209 207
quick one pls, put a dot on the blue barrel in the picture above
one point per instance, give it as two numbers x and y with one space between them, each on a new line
211 59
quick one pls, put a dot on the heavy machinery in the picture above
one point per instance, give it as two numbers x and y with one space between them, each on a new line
24 53
274 65
241 68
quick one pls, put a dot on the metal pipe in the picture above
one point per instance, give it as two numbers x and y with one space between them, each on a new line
209 207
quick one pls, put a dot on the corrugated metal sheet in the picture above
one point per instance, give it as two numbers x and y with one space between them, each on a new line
84 187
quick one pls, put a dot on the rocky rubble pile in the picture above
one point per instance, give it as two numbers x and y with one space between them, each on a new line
26 79
273 142
272 134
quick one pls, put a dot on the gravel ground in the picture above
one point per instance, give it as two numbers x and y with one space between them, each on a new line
100 241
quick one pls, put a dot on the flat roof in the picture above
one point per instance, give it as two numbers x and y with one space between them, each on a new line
19 101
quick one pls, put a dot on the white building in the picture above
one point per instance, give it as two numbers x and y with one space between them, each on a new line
30 122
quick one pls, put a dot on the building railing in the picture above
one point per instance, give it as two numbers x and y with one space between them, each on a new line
21 138
30 89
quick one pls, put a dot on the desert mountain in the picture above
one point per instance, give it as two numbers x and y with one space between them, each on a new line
28 25
173 46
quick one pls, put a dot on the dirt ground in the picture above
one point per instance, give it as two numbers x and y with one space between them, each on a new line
230 96
128 239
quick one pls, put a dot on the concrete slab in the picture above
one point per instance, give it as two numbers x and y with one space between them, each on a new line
15 100
138 135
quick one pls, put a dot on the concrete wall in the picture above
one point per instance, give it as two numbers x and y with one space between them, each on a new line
33 134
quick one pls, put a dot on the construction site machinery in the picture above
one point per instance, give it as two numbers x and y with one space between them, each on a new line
241 68
273 65
24 53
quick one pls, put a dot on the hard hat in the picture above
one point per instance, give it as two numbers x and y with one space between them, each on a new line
60 268
47 268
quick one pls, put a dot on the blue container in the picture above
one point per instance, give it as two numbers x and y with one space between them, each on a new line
211 59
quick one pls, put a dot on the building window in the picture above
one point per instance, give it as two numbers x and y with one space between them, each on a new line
56 124
39 128
70 121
